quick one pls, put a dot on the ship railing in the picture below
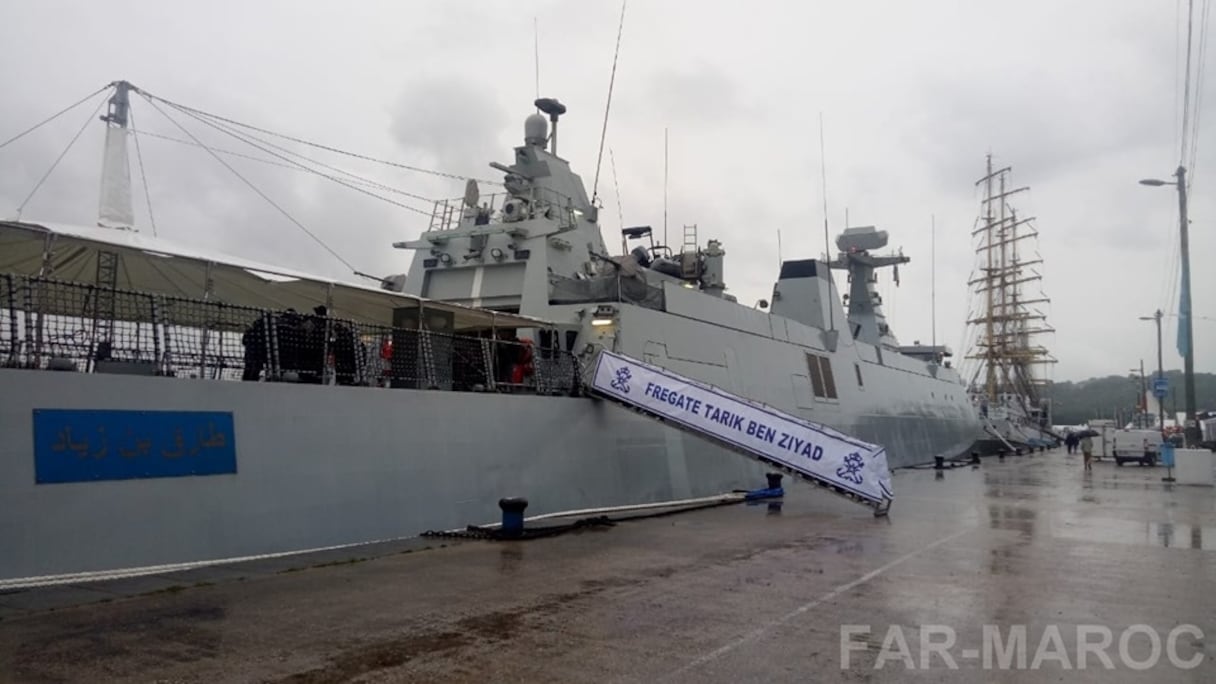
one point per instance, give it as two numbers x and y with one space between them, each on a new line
51 324
448 214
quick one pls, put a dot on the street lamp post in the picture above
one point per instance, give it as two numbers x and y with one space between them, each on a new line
1160 373
1188 357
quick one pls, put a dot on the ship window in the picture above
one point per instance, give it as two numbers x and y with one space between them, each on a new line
829 382
822 380
812 362
857 368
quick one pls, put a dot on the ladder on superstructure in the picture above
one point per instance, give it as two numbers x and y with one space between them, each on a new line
689 266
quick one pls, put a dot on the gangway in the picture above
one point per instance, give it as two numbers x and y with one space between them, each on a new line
815 453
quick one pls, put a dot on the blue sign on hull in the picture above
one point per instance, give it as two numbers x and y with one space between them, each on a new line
88 446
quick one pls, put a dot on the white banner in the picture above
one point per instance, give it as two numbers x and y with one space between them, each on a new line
815 450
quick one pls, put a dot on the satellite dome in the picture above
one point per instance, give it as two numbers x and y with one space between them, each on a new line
536 130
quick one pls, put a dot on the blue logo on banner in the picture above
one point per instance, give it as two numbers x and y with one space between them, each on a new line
621 382
87 446
851 470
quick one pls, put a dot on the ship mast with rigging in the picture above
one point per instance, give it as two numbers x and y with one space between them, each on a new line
1006 360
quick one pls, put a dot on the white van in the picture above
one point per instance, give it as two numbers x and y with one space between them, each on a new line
1136 446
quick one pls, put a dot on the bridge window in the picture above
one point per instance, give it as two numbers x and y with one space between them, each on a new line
822 380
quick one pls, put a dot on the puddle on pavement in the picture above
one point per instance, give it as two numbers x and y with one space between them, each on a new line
1146 533
1013 518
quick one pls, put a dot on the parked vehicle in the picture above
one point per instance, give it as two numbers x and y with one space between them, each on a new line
1136 446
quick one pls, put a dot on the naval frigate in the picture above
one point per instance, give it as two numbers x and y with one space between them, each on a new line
171 405
537 249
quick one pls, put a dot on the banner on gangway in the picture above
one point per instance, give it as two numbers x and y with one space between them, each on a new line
816 450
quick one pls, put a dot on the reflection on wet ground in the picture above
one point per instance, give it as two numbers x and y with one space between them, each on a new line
741 593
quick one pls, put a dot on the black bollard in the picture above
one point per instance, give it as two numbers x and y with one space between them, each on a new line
1001 454
975 458
939 462
512 516
774 480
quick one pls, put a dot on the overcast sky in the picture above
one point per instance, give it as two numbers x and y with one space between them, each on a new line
1080 97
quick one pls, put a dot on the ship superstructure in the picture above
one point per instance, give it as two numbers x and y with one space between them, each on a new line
537 250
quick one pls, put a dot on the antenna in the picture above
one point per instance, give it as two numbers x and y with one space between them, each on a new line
933 275
620 213
536 55
827 245
664 187
607 105
779 261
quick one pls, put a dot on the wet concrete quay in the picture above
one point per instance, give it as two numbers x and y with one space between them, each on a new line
727 594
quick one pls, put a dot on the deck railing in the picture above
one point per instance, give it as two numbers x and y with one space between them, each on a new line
57 325
536 202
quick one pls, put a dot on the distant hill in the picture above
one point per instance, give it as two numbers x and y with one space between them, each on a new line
1076 402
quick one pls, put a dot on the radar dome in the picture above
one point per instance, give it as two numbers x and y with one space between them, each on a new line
536 130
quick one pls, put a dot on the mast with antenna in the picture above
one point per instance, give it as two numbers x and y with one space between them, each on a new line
665 187
115 208
607 106
827 245
933 277
536 54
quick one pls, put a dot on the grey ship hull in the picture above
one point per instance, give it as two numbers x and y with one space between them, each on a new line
917 410
319 466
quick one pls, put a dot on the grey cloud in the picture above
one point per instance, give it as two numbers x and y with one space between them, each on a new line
451 123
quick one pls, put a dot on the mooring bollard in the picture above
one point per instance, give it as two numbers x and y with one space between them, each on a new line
512 515
939 462
975 458
774 480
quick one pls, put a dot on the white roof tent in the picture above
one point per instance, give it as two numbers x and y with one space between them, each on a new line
157 266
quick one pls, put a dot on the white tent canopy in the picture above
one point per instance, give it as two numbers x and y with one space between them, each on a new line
157 266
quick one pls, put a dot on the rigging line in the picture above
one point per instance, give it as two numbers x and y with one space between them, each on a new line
1186 88
314 171
1199 80
250 157
251 185
56 115
608 104
291 164
139 156
619 211
319 146
262 160
1177 70
61 156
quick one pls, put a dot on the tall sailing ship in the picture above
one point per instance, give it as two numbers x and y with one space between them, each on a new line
1005 362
